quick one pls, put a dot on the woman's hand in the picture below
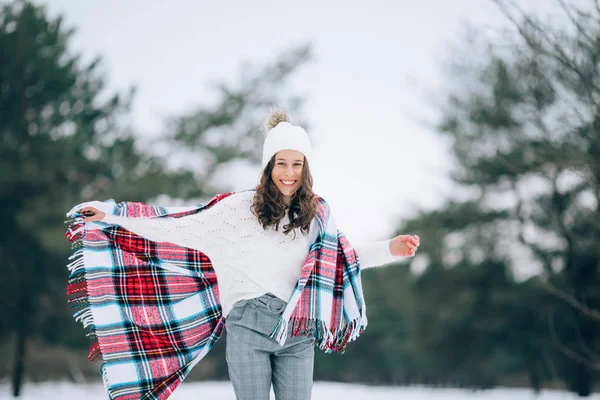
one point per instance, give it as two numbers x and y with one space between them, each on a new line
404 245
92 214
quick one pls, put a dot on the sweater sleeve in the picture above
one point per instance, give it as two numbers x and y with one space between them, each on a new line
196 231
375 254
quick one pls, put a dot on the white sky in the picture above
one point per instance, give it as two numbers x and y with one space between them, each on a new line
376 73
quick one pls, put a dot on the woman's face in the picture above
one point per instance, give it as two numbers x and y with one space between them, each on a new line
287 172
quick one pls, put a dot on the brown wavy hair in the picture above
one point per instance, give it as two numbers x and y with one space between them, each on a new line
269 207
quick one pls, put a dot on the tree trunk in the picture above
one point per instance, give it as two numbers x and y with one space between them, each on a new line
535 380
582 384
20 350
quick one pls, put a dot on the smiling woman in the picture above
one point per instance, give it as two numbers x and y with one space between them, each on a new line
277 292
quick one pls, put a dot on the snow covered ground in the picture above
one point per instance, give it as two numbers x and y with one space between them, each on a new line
321 391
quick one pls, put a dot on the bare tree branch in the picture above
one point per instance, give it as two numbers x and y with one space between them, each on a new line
577 24
595 365
551 366
557 53
539 252
572 301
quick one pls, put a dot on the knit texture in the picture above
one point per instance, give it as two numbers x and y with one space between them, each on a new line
248 260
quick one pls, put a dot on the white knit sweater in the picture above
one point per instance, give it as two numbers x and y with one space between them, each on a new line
248 260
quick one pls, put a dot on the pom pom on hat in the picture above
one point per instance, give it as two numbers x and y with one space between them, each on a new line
275 117
282 135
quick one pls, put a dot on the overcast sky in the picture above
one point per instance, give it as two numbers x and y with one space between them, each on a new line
375 78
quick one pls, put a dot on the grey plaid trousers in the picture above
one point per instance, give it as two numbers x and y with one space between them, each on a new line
255 361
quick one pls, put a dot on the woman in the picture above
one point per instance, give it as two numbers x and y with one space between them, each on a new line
258 242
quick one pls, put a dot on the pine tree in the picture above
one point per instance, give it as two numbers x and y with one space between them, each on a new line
523 121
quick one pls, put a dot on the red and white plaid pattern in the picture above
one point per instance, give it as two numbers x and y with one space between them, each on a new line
154 308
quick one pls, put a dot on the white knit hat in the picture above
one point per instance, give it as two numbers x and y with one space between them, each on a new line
282 135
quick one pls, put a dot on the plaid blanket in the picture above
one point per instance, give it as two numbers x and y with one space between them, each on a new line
153 308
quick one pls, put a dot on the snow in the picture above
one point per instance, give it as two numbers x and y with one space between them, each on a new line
321 391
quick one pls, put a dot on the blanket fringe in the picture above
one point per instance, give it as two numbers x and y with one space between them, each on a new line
77 290
326 339
76 254
280 331
75 265
94 351
85 316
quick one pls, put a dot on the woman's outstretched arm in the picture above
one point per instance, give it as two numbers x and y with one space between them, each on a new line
196 231
380 253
